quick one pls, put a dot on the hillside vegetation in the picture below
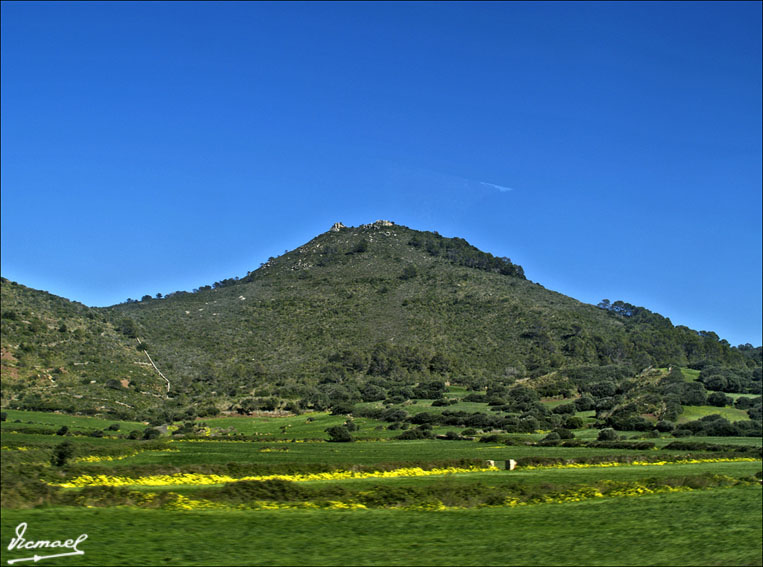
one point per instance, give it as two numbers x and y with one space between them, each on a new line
358 315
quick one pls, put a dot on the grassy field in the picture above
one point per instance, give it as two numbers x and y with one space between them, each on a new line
721 527
367 503
689 374
56 420
691 413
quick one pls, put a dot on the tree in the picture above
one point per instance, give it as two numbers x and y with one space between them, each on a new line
573 422
607 434
151 433
62 453
409 272
693 394
719 399
665 426
360 247
564 409
339 434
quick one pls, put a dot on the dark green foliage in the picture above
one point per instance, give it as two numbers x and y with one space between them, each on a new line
732 379
61 454
360 247
564 433
719 399
460 252
665 426
585 403
631 445
151 433
367 314
717 426
63 430
564 409
415 433
682 432
409 272
607 434
551 437
339 434
693 394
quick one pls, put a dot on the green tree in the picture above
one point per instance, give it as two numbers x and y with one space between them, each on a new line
61 454
339 434
607 434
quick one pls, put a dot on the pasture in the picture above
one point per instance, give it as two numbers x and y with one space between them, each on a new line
273 491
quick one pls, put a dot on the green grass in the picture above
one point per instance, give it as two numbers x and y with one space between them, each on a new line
692 413
718 527
753 441
49 419
360 453
711 525
552 403
689 374
735 397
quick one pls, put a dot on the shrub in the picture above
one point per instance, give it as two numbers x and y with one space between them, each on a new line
61 454
564 409
719 399
416 433
665 426
564 433
63 431
585 403
488 438
682 432
339 434
607 434
151 433
452 436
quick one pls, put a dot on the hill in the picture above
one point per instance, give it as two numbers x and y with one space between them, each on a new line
358 314
61 354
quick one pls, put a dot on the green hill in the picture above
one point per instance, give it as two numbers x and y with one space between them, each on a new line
58 354
357 314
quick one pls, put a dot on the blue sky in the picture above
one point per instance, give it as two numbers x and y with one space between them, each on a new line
611 149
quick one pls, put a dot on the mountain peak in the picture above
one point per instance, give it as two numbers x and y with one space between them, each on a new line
337 226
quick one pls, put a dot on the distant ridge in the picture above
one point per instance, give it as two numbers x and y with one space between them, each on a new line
375 308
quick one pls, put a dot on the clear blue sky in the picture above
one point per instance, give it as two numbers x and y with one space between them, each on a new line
611 149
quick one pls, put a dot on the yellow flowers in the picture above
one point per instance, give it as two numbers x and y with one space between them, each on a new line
180 502
103 458
609 489
639 463
206 479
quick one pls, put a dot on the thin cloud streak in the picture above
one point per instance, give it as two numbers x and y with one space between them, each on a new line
501 188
